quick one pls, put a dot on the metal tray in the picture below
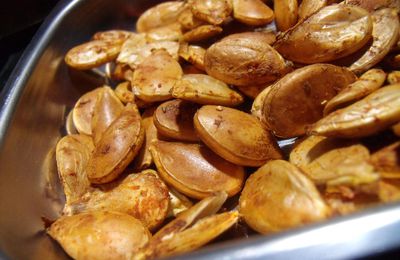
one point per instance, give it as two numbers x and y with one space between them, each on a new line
34 102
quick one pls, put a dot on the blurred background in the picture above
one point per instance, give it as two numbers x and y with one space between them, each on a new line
19 20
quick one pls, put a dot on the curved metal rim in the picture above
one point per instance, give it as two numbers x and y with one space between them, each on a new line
349 237
363 234
20 74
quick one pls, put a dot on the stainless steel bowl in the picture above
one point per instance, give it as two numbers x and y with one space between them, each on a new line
39 93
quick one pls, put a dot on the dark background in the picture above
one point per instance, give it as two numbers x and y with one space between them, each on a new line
19 20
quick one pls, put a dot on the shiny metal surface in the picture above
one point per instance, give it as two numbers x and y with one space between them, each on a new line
36 99
366 234
38 94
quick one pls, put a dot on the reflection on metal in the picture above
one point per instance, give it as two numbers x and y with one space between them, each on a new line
365 234
34 104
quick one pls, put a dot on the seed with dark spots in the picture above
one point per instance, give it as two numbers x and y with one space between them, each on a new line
106 149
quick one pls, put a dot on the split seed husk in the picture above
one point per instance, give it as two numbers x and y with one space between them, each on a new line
174 119
83 111
72 155
108 107
195 170
333 32
100 235
155 76
142 195
278 196
236 136
244 61
117 147
385 33
298 99
204 89
286 13
252 12
363 118
160 15
363 86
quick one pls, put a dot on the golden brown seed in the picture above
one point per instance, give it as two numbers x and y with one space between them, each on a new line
236 136
72 154
136 49
333 32
160 15
389 190
368 116
155 76
298 99
121 72
174 119
188 21
256 108
309 7
108 107
387 161
180 231
243 61
127 55
124 92
205 207
386 28
268 37
278 196
393 77
100 235
212 11
285 14
365 85
252 12
344 205
142 195
309 148
202 32
83 111
144 159
117 147
170 32
347 166
178 202
115 36
373 5
193 54
195 170
204 89
92 54
202 232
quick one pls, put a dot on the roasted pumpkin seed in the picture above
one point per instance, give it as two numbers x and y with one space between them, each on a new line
365 117
333 32
365 85
117 147
204 89
100 235
298 99
195 170
174 119
235 136
279 196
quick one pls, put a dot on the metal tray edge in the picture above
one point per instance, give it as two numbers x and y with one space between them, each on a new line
359 235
